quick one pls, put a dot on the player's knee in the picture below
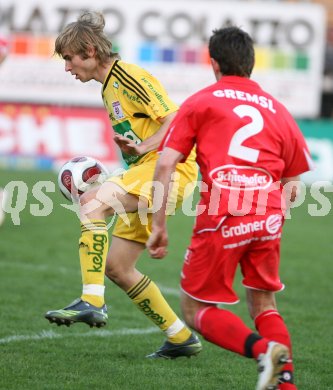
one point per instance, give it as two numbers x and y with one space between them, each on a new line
256 309
86 197
112 273
92 207
259 301
117 274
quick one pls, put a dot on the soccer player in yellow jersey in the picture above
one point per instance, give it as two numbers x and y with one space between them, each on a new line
140 112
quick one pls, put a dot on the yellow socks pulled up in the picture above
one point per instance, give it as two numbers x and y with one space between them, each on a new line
93 249
148 298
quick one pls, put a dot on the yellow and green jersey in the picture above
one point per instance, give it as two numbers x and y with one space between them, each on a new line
135 100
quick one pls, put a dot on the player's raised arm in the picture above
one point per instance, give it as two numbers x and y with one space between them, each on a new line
155 140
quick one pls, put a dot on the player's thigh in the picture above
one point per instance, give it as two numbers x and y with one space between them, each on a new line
110 196
209 268
260 263
260 266
133 226
137 181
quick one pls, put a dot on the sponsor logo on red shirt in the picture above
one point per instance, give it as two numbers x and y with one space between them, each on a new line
241 177
273 223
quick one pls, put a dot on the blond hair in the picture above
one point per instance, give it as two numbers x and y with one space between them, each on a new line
86 32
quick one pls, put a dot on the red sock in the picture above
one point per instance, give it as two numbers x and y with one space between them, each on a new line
287 386
271 325
225 329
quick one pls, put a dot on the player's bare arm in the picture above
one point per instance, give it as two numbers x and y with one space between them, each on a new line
291 187
158 241
128 146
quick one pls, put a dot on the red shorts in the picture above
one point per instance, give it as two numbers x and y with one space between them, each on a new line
211 260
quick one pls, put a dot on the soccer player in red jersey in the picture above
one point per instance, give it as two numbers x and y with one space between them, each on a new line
250 153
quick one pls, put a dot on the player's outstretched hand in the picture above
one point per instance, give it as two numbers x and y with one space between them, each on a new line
127 145
157 244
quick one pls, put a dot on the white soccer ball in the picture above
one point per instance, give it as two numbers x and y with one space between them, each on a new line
79 174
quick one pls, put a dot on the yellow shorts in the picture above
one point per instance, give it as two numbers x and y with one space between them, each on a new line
138 180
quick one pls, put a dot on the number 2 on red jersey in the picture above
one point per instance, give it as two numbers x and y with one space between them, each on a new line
236 149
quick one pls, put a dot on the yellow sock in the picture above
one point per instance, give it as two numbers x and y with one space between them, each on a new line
148 298
93 249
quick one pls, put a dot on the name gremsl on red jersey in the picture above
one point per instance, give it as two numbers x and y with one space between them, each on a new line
246 142
263 101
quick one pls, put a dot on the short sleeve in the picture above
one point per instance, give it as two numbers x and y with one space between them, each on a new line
181 135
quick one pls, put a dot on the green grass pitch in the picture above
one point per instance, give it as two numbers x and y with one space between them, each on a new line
39 270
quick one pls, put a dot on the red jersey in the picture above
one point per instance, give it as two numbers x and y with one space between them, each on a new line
246 141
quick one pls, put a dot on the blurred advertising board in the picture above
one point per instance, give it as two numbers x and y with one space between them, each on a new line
35 136
44 137
169 41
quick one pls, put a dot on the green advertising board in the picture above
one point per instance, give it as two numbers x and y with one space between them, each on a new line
319 137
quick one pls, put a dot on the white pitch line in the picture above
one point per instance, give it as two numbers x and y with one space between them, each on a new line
169 290
44 267
36 267
50 334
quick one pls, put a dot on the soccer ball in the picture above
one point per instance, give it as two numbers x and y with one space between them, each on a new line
78 175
